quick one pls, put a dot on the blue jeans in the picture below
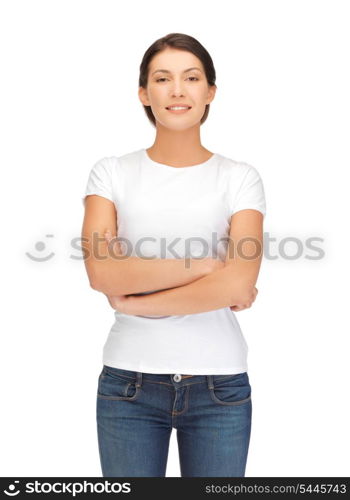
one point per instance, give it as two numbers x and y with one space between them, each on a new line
136 413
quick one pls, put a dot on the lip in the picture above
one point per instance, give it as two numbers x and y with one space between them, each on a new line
179 111
179 104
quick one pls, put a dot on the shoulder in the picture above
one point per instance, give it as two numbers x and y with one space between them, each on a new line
240 173
128 159
104 166
237 167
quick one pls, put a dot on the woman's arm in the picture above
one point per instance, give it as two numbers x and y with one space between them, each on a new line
220 289
114 274
207 266
233 284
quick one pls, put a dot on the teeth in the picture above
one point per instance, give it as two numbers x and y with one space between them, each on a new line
179 107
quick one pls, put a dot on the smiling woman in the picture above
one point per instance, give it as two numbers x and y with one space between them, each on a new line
175 71
175 355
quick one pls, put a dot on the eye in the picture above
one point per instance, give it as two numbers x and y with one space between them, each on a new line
163 78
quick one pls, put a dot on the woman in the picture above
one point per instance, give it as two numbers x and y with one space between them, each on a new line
192 226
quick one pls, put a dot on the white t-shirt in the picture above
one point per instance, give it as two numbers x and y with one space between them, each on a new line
176 212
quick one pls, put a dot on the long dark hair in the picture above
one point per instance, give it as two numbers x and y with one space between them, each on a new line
183 42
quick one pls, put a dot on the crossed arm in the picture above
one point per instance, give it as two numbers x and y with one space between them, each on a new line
206 294
231 286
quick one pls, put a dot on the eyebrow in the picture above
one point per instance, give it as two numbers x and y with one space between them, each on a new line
167 71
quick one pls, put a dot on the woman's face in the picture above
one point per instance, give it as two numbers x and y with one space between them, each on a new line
177 84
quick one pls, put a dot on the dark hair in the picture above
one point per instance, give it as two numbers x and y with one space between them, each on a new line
182 42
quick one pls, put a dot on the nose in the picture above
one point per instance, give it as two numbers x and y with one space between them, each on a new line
177 94
177 90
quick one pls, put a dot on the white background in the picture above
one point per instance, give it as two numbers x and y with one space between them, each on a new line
69 97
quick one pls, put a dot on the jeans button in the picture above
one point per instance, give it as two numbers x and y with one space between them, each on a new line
177 377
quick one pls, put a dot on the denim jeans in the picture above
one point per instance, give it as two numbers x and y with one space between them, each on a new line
136 413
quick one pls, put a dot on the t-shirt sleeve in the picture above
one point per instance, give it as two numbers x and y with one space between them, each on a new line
100 180
251 193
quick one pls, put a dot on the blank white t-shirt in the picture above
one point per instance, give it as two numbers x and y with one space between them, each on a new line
176 212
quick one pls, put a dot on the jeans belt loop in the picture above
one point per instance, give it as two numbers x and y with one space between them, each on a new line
138 379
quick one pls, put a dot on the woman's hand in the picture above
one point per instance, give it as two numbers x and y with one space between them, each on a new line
248 303
213 264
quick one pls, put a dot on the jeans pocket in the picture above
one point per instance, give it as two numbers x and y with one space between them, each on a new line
231 390
116 387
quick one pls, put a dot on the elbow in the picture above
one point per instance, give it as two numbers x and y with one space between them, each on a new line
243 295
94 278
95 286
102 287
94 281
101 282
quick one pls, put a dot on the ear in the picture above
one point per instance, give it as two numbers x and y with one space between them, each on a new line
143 96
211 93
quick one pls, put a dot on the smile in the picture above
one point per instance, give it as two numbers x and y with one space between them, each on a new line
178 109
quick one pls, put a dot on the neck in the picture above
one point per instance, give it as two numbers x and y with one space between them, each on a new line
178 148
